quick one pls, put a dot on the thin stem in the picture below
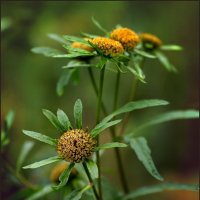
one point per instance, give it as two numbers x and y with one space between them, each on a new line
99 105
91 181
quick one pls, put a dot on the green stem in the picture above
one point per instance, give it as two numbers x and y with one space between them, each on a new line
90 179
101 81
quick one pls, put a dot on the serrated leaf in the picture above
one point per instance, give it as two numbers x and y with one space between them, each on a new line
43 162
64 177
143 152
159 188
78 108
53 119
144 53
47 189
58 38
93 169
167 116
171 47
98 25
77 194
63 119
135 105
76 63
164 61
110 145
75 39
102 126
63 81
26 148
48 51
41 137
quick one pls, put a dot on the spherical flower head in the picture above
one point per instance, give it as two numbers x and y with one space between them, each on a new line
58 169
147 38
108 46
127 37
75 145
82 46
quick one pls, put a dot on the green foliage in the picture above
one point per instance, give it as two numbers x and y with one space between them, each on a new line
98 25
41 137
144 53
143 152
92 167
159 188
63 119
64 177
110 145
43 162
78 108
5 23
76 63
171 47
75 39
58 38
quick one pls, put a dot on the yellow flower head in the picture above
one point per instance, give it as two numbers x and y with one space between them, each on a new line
108 46
75 145
82 46
128 38
151 39
58 169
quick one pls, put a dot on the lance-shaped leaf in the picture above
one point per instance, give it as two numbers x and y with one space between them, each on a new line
53 119
135 105
64 80
9 119
144 53
138 73
77 63
164 61
47 51
73 55
77 50
77 194
92 167
171 47
165 117
78 108
64 176
43 162
47 189
63 119
58 38
98 25
75 39
41 137
110 145
159 188
26 148
143 152
102 126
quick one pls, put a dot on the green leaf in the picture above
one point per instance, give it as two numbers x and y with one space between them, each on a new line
77 194
43 162
47 189
102 126
53 119
110 145
76 63
63 119
143 152
48 51
167 116
41 137
98 25
135 105
5 23
144 53
73 55
64 176
102 63
171 47
92 167
26 148
75 39
78 108
159 188
164 61
58 38
138 73
9 119
77 50
63 81
88 35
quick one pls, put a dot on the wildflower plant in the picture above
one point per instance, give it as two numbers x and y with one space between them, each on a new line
121 50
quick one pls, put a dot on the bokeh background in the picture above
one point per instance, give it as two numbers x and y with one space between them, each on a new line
28 82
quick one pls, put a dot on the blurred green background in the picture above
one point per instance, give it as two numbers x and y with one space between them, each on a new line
28 81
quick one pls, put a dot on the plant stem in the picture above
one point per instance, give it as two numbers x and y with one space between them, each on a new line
101 80
113 133
90 179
